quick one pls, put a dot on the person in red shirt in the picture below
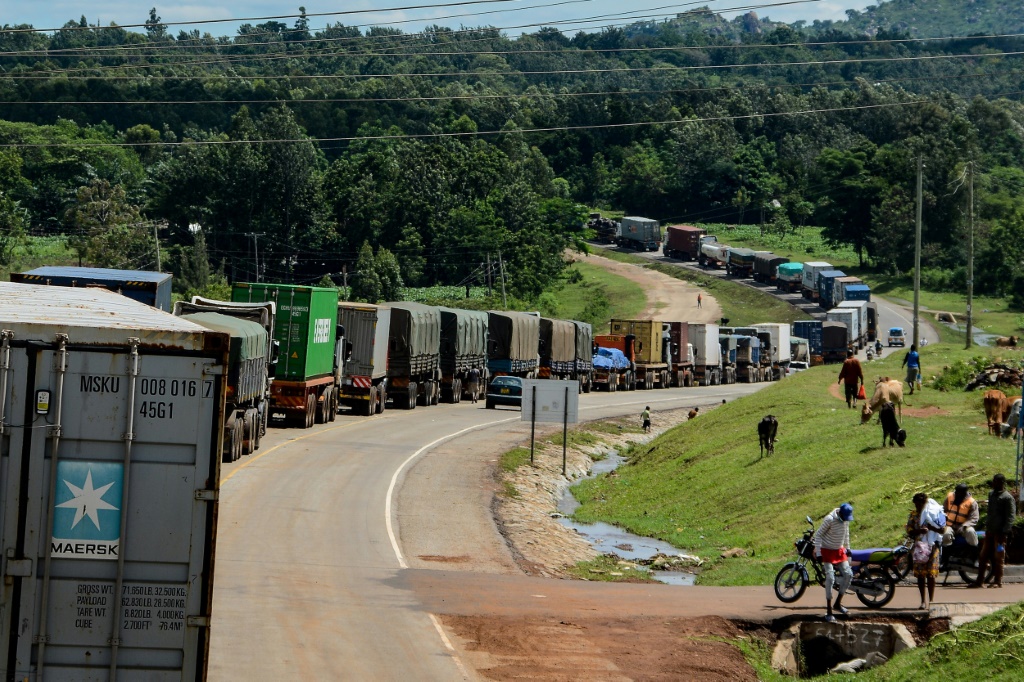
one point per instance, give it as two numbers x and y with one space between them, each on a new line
851 376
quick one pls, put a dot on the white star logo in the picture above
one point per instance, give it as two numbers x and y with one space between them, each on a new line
87 500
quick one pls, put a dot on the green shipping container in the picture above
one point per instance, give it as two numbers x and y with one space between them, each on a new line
306 323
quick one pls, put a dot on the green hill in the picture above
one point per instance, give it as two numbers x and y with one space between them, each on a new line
934 18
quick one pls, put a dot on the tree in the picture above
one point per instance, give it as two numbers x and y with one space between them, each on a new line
389 274
108 230
844 207
366 284
155 28
195 264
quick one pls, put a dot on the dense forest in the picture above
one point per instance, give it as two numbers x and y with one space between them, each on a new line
291 153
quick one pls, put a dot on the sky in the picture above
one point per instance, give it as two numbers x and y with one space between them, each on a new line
44 14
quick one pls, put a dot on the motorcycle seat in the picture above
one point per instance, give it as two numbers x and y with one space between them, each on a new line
873 555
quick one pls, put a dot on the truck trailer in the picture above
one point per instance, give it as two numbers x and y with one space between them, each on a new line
414 360
651 352
683 241
707 354
680 354
612 369
583 361
513 342
111 422
809 278
463 348
748 359
740 262
811 330
826 289
308 372
729 343
250 371
713 254
835 336
557 348
642 234
364 380
861 308
780 333
766 266
151 288
789 277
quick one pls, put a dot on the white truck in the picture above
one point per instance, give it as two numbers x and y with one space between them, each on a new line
809 281
781 353
707 350
860 339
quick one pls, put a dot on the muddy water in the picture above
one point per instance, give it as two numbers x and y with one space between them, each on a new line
614 540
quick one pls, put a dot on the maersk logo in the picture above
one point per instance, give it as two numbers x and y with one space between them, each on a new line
87 511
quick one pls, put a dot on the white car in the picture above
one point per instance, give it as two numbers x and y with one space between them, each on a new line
897 337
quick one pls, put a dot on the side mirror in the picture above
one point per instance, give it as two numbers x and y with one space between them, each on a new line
275 351
809 520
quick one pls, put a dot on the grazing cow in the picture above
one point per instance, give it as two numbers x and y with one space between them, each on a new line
997 407
890 427
766 430
886 391
1007 341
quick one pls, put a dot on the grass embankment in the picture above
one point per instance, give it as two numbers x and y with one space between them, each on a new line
741 305
703 487
991 314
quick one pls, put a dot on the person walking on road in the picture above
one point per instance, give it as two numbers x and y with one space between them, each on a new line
832 546
1002 511
851 376
645 416
961 516
926 525
473 384
699 299
912 361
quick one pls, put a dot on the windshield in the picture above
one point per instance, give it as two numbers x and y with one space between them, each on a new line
507 381
896 331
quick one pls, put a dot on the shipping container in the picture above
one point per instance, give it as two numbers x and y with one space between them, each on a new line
809 278
642 234
310 360
826 291
839 286
855 292
653 343
860 338
780 333
835 343
810 330
789 277
363 385
414 361
707 354
463 349
513 341
680 353
109 514
151 288
683 241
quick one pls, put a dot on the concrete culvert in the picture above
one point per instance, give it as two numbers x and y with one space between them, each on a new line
808 649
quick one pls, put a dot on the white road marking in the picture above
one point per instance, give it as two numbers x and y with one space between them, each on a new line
448 644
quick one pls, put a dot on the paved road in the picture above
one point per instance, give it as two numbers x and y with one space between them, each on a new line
310 552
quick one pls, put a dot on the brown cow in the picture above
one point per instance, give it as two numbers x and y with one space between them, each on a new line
1007 341
886 391
997 408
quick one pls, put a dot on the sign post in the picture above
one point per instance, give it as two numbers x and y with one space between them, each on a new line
533 420
552 401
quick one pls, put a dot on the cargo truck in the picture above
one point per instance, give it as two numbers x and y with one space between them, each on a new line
463 348
713 254
151 288
872 322
800 351
311 359
763 369
250 371
101 395
848 288
826 290
584 355
557 349
748 359
680 354
683 241
728 344
835 335
513 341
642 234
364 379
740 262
789 277
414 361
707 354
780 333
860 338
651 357
809 278
811 330
612 369
605 230
766 266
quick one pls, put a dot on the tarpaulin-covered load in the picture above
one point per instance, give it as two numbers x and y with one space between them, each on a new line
414 339
463 339
790 274
584 346
247 352
748 350
610 358
513 341
557 348
766 265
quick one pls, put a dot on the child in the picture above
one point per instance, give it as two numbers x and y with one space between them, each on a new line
646 417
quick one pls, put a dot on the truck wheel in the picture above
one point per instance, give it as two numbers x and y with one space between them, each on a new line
383 399
320 414
613 382
413 396
371 403
423 398
457 391
237 438
664 378
311 406
332 410
435 392
249 430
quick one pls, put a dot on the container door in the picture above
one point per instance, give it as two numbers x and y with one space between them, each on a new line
107 547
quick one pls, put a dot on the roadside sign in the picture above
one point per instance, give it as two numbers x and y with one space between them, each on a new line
553 401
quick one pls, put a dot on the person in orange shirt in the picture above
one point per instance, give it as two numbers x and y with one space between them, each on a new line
852 376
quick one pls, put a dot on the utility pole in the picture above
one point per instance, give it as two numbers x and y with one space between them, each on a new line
156 238
256 249
488 275
970 254
501 264
344 277
917 254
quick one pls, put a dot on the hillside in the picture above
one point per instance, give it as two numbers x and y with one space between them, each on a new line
934 18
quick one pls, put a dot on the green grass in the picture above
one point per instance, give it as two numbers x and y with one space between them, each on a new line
515 458
741 305
702 486
38 251
593 295
606 568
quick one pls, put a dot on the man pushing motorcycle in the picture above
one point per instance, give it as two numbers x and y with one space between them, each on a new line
832 546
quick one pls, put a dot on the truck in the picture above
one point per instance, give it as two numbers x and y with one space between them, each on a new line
680 354
463 348
748 359
761 368
766 266
101 395
513 342
850 319
826 290
728 342
844 287
800 351
780 333
651 357
557 348
612 369
151 288
364 379
872 322
713 254
642 234
835 339
740 262
584 355
809 278
861 337
789 277
308 373
605 230
811 330
707 354
250 371
414 355
683 241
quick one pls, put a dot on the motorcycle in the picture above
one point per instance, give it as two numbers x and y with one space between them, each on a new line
959 556
870 355
874 572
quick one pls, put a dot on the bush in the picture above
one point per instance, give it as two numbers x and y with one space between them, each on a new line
955 377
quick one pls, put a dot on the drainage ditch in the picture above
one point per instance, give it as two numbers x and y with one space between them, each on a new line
812 648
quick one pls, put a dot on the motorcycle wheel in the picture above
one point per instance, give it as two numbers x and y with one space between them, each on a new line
881 579
903 567
968 574
790 583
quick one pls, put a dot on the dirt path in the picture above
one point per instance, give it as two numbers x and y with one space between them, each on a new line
667 297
